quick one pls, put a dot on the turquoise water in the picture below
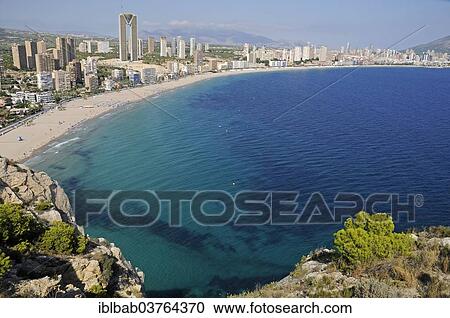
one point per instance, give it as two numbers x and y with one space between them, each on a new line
379 130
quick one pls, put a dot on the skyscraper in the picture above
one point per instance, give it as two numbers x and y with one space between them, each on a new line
173 47
140 48
19 56
163 46
306 53
41 47
297 54
61 46
44 62
151 44
181 49
74 71
70 49
323 54
131 20
31 50
192 46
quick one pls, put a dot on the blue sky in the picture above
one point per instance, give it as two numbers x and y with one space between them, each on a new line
329 22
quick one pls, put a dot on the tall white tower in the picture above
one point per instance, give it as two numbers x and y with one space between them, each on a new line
129 19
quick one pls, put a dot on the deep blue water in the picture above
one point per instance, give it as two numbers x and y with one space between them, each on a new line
379 130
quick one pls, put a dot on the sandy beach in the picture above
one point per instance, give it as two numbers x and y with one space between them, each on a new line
53 124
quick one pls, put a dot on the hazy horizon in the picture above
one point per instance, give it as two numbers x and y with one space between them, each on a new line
330 22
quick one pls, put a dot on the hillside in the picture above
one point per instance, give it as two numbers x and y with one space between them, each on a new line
211 35
440 45
43 253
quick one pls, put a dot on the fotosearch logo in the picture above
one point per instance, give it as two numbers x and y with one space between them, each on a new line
246 208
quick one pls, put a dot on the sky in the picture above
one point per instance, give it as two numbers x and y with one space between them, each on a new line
323 22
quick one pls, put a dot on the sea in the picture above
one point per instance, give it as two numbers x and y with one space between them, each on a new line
311 131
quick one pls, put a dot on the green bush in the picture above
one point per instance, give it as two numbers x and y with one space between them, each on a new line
5 264
97 291
82 243
24 247
370 237
61 238
17 226
43 205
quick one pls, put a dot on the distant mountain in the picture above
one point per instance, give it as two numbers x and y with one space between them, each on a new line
439 45
7 34
212 36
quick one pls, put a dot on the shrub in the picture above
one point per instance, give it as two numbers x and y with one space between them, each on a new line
5 264
61 238
82 243
369 237
97 291
24 247
17 226
43 205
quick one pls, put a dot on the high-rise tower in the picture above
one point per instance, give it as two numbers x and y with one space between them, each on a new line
131 20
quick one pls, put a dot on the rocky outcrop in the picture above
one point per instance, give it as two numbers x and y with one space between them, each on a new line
100 270
423 273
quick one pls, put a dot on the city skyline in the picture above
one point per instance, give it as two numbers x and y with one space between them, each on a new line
359 22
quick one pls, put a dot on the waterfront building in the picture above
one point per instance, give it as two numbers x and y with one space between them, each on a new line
213 65
173 67
252 57
278 63
117 74
74 71
128 19
306 55
90 65
323 54
298 54
108 84
45 81
134 77
148 75
238 65
61 80
91 82
198 58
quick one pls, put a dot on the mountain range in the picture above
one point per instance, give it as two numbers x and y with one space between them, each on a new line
439 45
217 36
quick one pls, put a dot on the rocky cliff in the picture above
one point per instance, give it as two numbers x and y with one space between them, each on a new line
423 272
100 270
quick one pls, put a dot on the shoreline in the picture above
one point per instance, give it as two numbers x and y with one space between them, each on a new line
55 124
